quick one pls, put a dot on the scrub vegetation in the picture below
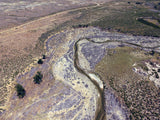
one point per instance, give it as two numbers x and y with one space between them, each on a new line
139 94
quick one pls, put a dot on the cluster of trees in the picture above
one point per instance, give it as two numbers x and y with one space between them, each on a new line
80 26
37 79
40 61
139 3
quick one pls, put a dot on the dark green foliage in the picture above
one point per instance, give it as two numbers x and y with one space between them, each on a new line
156 75
148 23
151 63
138 3
152 52
157 6
130 117
40 61
38 78
83 26
159 70
80 26
44 57
20 91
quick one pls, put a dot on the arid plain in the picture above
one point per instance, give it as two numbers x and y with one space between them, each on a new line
102 59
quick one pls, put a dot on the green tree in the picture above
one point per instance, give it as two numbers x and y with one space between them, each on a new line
38 78
40 61
20 91
44 57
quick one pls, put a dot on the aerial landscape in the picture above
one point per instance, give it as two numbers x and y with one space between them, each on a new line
80 60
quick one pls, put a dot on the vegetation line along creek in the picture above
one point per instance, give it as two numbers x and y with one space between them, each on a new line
129 43
100 110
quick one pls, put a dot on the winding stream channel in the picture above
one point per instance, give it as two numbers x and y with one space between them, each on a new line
100 110
72 90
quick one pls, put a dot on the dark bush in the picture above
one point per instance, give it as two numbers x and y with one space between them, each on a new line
138 3
20 91
79 25
44 57
152 52
151 63
40 61
156 75
157 7
38 78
